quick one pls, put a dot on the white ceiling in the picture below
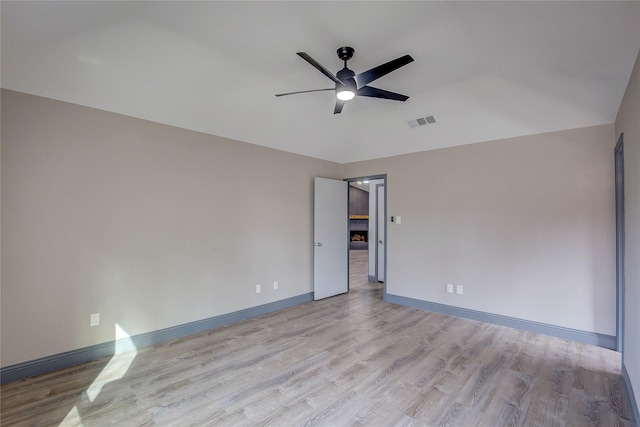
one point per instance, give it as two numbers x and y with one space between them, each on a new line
485 70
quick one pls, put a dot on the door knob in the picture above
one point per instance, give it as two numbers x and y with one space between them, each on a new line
380 241
319 244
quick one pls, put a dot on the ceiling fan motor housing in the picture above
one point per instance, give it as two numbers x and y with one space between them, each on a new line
346 76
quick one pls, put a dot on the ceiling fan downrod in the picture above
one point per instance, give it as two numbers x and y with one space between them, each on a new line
345 53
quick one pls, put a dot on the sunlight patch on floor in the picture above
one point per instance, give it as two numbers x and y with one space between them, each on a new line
125 352
73 418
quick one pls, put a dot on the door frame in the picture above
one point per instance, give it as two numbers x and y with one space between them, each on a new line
618 155
377 225
386 192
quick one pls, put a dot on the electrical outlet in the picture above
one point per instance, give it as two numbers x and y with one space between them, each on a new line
459 289
95 319
449 288
258 288
275 284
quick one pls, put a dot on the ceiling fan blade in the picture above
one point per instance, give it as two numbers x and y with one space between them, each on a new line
338 107
380 93
303 91
319 67
367 77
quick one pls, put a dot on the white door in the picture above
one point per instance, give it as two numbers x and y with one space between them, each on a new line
380 232
330 234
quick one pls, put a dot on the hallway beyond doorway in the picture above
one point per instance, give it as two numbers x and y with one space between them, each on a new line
359 274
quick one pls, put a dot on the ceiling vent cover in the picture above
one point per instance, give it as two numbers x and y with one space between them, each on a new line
421 121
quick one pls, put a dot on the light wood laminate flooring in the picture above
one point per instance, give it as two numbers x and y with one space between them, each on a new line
350 360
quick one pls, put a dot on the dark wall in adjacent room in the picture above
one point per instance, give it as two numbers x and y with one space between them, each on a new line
358 205
358 201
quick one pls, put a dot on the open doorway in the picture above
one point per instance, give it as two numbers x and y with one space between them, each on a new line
367 234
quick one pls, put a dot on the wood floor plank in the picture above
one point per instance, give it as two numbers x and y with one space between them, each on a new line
349 360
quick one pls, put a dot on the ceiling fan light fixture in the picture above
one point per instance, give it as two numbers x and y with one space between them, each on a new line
345 94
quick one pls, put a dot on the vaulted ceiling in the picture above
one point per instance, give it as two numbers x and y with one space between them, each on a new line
484 70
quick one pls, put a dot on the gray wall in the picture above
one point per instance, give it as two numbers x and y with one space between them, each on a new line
628 122
149 225
526 225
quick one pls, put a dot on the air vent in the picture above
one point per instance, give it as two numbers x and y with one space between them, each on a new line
421 121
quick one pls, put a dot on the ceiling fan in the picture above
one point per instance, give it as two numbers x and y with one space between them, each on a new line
349 84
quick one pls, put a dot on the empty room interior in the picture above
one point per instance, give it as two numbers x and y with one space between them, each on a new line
320 213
